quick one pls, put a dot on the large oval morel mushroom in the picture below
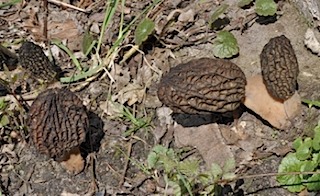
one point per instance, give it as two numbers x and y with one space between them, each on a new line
202 86
58 123
279 67
33 59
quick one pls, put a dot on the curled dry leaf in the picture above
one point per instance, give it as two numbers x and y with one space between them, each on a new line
277 113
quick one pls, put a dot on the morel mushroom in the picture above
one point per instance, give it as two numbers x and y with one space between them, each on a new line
7 58
58 123
203 85
33 59
279 67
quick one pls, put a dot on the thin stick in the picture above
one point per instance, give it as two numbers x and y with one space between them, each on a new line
127 160
67 5
45 20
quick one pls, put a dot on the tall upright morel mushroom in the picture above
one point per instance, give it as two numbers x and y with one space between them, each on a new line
58 124
279 67
202 86
33 59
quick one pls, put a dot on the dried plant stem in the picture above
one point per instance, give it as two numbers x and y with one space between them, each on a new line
67 5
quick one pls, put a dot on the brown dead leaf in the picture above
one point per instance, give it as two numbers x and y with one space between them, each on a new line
63 30
207 139
131 94
121 75
187 16
276 113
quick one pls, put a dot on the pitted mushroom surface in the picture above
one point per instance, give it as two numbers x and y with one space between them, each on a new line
203 85
58 122
279 67
33 59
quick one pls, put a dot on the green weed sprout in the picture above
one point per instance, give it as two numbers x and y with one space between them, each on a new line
305 158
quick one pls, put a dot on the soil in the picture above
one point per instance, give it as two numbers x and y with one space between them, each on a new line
114 161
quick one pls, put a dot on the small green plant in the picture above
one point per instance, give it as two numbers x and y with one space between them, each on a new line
216 14
104 63
311 103
184 176
9 3
4 119
137 123
143 30
225 45
304 159
262 7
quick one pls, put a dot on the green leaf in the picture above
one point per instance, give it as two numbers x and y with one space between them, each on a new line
304 150
290 163
9 3
308 166
216 171
3 104
316 141
189 167
143 30
297 143
229 165
316 158
4 121
168 164
69 52
243 3
220 10
266 7
225 45
152 160
87 43
159 149
313 183
311 103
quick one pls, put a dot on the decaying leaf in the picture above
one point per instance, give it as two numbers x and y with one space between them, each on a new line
131 94
111 108
207 139
187 16
278 114
312 42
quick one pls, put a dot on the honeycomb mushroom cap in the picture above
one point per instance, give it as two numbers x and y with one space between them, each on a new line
203 85
279 67
58 122
33 59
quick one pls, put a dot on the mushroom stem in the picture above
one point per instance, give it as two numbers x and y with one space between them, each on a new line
73 161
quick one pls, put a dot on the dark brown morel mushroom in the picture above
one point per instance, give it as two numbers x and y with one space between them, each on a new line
33 59
8 59
58 123
203 85
279 67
